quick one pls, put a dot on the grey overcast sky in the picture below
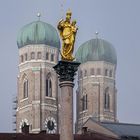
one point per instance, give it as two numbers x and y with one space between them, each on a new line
117 21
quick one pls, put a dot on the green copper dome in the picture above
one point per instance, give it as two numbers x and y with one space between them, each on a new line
38 32
96 50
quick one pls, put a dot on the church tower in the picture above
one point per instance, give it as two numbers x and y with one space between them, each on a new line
38 45
96 93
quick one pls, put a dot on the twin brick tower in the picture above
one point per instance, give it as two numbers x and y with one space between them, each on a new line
38 86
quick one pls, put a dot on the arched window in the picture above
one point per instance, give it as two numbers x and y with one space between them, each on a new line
26 57
47 56
25 89
84 102
21 58
52 57
39 55
106 72
80 74
48 87
92 71
85 73
106 99
98 71
110 73
32 55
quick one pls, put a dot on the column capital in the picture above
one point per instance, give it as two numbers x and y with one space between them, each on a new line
66 70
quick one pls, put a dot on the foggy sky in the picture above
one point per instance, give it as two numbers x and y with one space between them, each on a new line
117 21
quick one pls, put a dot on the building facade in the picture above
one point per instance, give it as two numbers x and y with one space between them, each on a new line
96 93
37 99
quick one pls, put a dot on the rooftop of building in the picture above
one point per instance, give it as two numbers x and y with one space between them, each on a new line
96 49
38 32
123 129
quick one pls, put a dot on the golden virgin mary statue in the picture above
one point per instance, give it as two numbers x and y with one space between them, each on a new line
67 30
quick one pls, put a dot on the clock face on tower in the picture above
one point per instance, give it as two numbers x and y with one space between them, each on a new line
50 125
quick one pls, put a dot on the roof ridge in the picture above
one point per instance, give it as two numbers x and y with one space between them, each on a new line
120 123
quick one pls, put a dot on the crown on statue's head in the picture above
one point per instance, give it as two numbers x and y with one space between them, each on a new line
69 12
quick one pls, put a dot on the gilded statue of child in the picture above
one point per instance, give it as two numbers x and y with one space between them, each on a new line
67 32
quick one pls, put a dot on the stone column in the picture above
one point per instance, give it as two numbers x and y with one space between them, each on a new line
66 71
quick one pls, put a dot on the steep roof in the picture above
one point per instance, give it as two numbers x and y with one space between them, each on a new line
123 129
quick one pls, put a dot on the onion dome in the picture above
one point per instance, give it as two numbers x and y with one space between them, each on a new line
38 32
96 50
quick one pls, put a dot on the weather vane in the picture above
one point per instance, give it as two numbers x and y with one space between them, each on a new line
67 30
